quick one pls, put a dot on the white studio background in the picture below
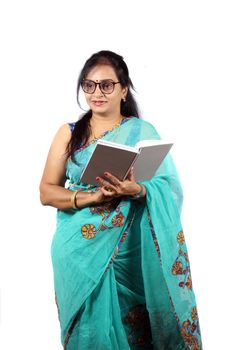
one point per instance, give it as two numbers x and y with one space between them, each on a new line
179 55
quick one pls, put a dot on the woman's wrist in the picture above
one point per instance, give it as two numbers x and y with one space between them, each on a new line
81 199
141 192
136 189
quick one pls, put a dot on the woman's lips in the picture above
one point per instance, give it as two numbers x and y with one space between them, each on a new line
99 103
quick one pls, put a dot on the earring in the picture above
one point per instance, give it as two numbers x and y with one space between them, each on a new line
124 99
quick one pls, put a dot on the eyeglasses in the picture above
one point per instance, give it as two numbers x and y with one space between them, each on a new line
106 86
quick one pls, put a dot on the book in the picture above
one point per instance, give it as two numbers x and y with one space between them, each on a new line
145 158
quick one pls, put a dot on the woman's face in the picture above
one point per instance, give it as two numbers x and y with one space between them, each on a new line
100 102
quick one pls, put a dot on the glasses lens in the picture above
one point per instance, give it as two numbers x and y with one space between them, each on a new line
107 86
88 86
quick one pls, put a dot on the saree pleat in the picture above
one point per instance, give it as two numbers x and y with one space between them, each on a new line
122 275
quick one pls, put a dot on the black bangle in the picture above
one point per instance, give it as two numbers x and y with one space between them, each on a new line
138 195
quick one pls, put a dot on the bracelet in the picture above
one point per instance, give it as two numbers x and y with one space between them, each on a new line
140 194
73 199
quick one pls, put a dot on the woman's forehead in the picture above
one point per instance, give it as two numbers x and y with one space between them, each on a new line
101 72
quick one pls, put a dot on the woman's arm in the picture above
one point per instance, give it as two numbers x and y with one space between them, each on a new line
52 190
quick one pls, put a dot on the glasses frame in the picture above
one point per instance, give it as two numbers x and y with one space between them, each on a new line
101 82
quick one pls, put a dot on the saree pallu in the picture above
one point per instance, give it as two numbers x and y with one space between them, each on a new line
122 275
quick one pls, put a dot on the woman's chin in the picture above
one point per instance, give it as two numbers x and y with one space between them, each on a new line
100 110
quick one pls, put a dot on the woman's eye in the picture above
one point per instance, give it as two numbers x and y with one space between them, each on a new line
89 85
107 85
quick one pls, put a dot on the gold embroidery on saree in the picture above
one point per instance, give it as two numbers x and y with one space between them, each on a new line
90 230
181 265
190 328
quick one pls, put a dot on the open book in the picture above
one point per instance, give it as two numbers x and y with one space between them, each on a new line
117 159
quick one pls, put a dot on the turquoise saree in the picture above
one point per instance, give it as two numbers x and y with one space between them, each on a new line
122 275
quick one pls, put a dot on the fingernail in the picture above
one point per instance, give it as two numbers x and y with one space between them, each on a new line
97 178
106 174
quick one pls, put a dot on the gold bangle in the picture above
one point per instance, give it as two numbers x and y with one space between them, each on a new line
73 200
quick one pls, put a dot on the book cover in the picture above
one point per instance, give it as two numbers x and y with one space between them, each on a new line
117 159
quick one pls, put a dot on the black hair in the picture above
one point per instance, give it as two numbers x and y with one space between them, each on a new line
128 108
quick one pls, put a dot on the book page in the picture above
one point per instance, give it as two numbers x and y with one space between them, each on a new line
147 143
117 145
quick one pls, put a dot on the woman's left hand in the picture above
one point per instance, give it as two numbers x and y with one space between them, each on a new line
120 188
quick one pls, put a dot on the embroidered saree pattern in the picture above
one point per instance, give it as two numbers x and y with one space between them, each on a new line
191 330
122 275
181 265
89 230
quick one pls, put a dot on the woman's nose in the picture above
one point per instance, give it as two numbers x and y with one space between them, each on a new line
98 92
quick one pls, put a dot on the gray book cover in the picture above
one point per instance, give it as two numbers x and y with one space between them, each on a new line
117 159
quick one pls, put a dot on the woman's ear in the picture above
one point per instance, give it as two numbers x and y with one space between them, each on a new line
124 92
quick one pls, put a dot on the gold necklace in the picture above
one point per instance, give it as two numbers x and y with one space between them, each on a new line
101 135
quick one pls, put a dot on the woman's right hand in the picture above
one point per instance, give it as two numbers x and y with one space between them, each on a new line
102 194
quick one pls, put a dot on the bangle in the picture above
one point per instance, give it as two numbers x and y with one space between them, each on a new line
140 194
73 199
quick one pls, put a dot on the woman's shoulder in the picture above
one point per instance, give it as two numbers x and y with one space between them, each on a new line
63 133
142 121
145 125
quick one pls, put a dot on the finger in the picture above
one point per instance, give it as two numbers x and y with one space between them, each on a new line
105 183
130 175
112 178
107 192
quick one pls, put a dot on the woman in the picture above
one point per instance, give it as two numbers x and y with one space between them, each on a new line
121 269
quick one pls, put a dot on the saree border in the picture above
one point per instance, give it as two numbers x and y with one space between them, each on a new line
190 342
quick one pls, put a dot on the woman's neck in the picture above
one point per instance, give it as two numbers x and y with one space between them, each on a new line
98 119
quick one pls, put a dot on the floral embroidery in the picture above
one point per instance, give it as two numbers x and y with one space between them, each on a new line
104 208
118 220
180 237
194 313
190 331
181 265
138 320
89 230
